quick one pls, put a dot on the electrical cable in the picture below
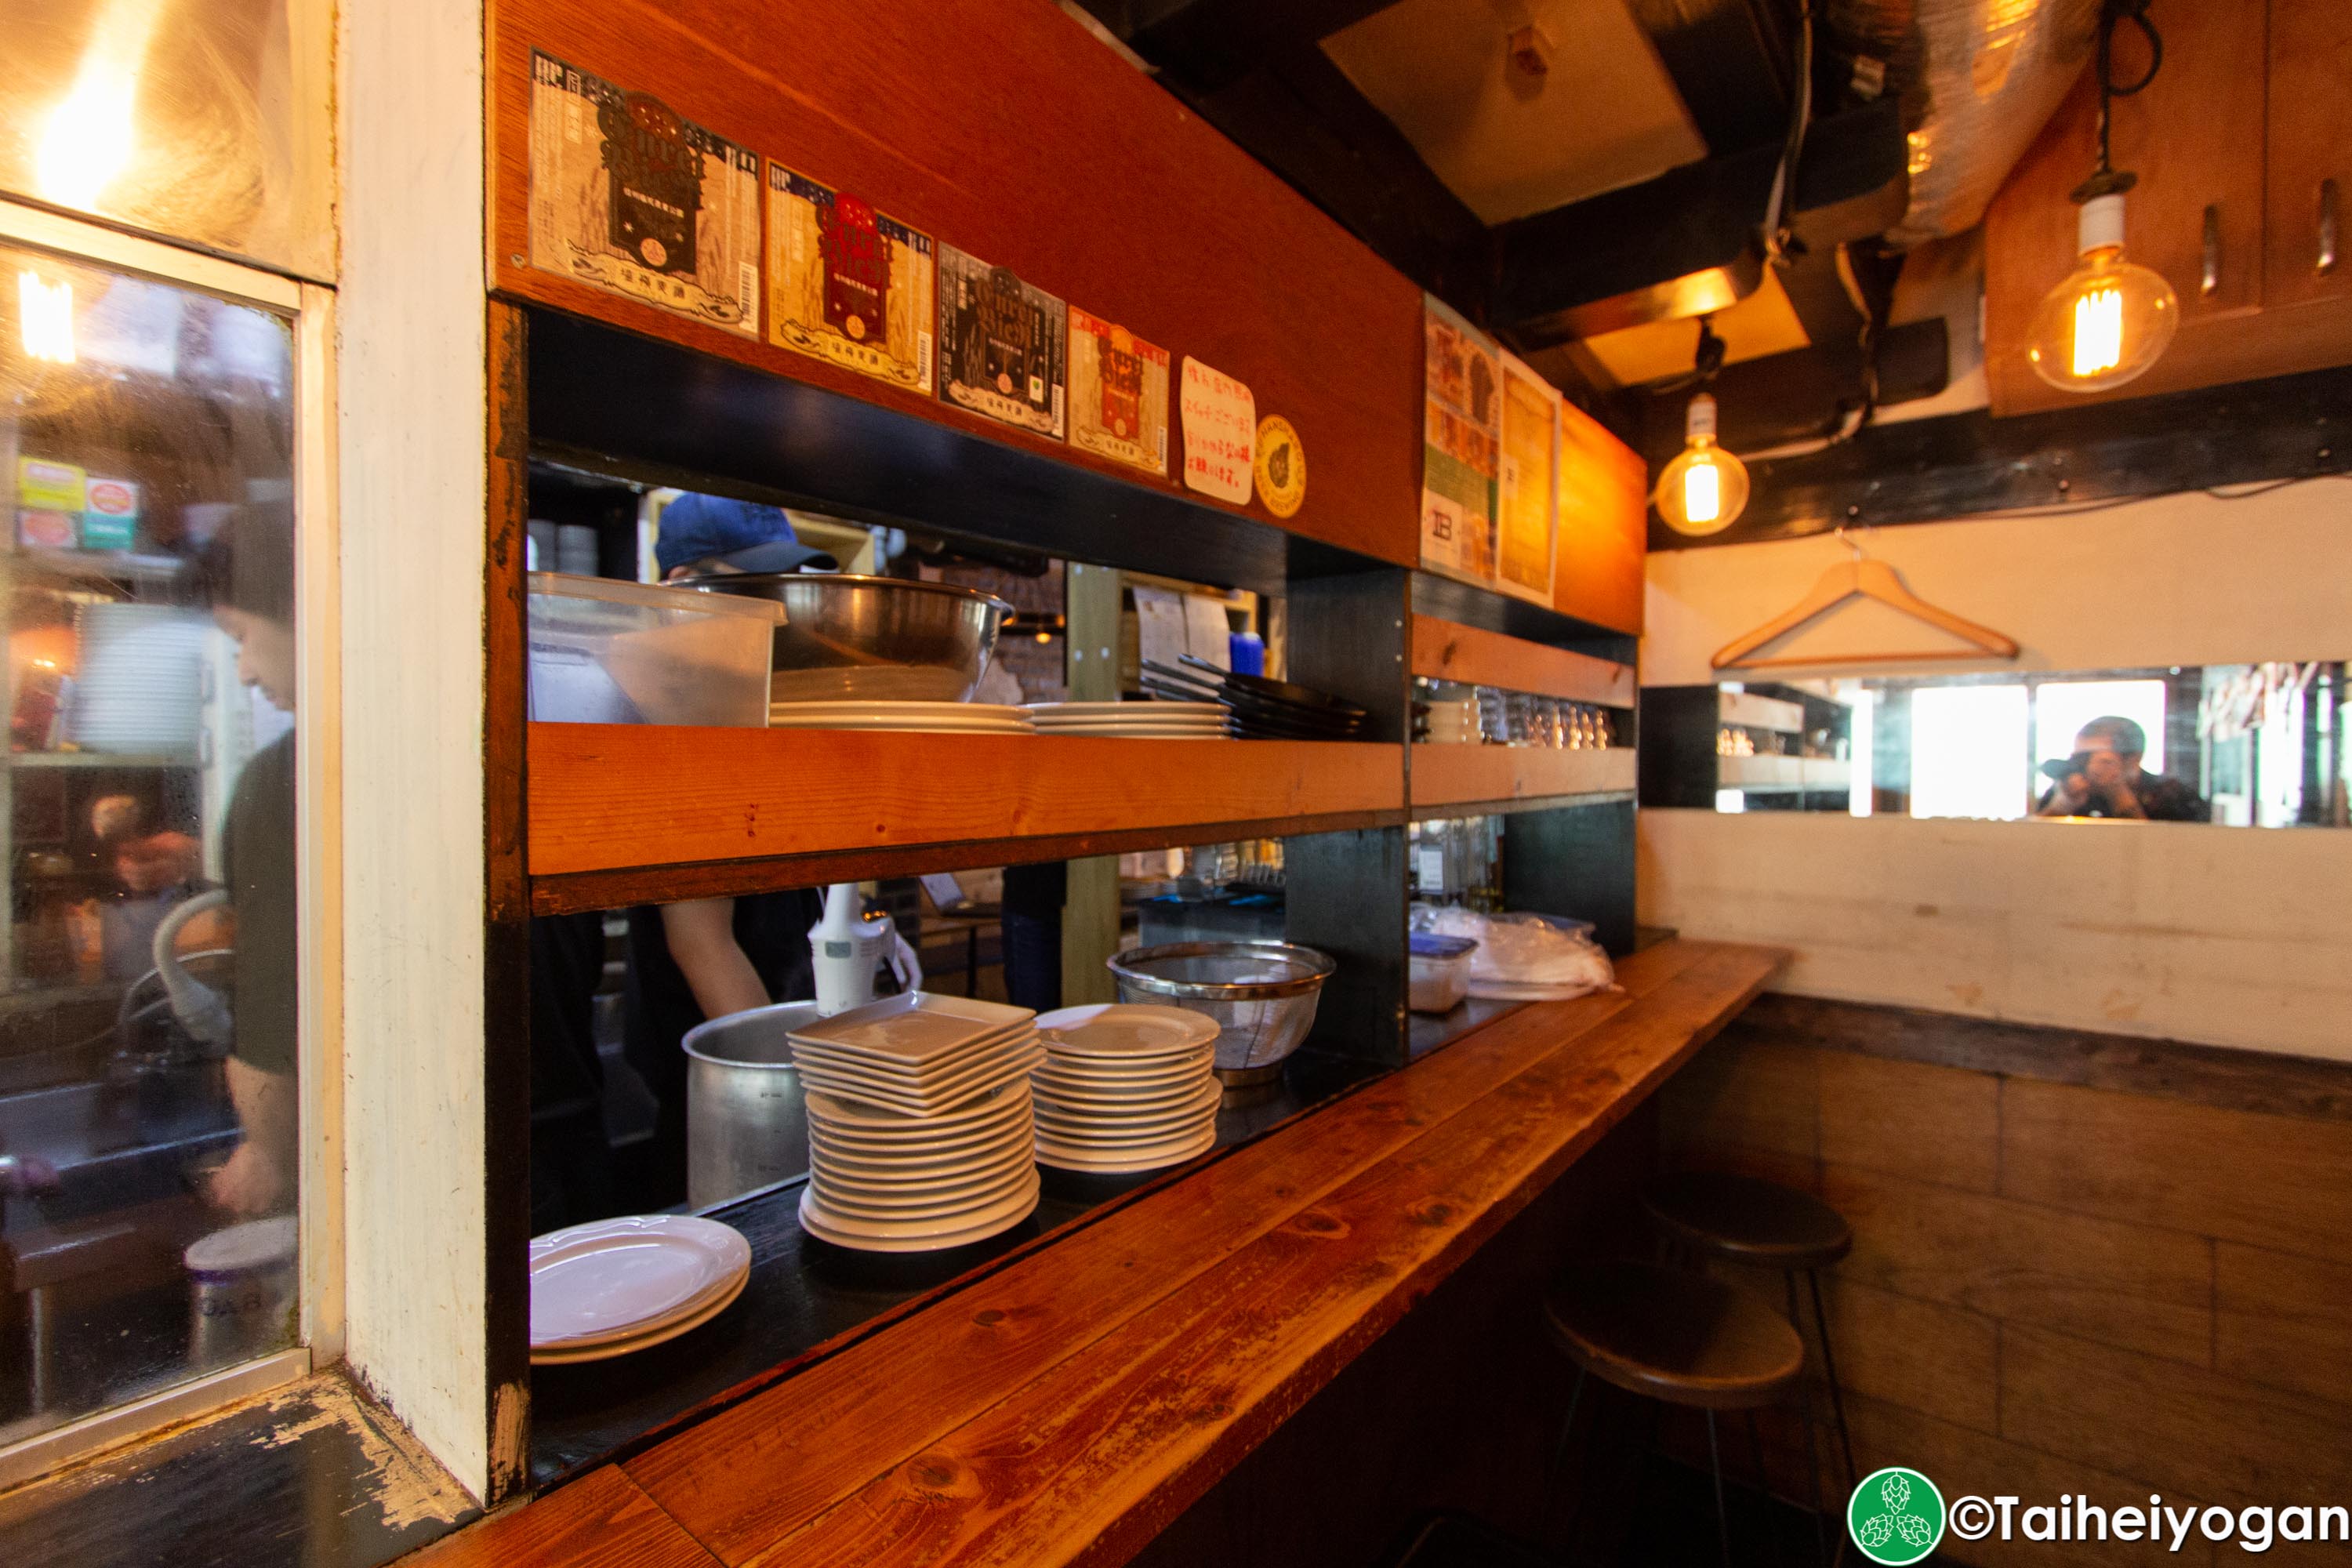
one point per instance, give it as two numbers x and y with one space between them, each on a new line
1780 237
2105 180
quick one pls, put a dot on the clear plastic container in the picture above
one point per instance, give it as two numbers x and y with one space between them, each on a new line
1440 973
608 652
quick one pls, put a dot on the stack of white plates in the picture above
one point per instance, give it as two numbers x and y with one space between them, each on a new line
1125 1087
919 1118
604 1289
1166 720
936 718
138 679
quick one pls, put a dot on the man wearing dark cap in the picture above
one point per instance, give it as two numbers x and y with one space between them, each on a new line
708 957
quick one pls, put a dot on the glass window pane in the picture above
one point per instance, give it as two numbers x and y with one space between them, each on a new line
182 117
1967 752
147 970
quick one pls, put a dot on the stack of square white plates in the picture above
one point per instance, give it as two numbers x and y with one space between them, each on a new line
1166 720
919 1127
1125 1087
935 718
604 1289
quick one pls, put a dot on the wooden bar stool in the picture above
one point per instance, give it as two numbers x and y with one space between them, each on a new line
1680 1339
1741 1219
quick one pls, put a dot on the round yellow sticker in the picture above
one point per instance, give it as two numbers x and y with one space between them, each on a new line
1281 466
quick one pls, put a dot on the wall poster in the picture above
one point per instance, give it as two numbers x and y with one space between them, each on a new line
1461 445
627 196
1002 351
847 283
1220 433
1119 393
1524 491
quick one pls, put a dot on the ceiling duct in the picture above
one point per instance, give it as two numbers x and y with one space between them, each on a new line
1978 79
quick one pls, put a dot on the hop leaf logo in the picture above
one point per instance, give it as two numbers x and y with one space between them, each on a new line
1896 1516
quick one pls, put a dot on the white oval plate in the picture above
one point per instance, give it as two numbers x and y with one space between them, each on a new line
1066 1157
855 1204
661 1335
869 1236
616 1278
1126 1031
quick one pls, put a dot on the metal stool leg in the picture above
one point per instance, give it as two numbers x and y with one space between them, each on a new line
1722 1514
1560 1449
1829 1367
1812 1464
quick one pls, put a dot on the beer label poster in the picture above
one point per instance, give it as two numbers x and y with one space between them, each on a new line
847 283
1001 344
1119 393
1461 446
628 197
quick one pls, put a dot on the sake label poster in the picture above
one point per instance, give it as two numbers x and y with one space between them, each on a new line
626 196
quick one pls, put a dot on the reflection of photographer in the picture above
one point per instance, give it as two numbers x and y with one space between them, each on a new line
2104 778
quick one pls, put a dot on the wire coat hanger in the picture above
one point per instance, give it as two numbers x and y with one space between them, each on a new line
1863 577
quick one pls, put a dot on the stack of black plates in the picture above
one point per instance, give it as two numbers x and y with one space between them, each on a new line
1261 709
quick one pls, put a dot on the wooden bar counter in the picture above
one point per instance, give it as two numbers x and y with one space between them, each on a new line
1066 1407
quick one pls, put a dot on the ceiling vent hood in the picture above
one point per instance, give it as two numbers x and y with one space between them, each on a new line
1978 79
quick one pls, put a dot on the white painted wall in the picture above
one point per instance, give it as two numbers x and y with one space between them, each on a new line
2184 579
2227 936
412 401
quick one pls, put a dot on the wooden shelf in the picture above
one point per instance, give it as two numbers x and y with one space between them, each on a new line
628 813
1447 650
1515 777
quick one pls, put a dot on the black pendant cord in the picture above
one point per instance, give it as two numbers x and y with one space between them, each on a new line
2106 179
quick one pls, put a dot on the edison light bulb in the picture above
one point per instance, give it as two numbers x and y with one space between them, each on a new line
1705 489
2110 317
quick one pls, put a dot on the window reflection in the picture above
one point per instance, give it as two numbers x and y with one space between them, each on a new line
147 1017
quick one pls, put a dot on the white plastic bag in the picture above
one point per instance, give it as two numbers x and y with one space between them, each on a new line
1523 957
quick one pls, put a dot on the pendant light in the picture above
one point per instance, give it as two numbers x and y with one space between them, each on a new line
2109 318
1704 489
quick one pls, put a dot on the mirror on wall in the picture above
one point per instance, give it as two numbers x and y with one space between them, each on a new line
2260 745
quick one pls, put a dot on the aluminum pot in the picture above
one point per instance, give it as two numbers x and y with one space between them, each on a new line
1262 995
746 1113
872 639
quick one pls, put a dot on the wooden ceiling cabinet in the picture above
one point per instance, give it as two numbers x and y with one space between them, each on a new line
2233 144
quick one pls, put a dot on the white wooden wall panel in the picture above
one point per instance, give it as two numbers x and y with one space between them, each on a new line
412 402
2229 936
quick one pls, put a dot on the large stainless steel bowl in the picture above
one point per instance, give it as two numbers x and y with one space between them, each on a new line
1262 995
881 640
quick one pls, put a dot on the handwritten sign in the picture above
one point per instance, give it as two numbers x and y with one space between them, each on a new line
1220 433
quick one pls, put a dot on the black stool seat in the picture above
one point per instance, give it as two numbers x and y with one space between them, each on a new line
1673 1336
1744 1220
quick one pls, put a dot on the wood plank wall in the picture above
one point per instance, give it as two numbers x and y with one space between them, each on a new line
2130 1274
1005 130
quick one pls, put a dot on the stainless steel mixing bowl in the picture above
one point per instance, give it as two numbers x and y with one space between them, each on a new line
1262 995
874 639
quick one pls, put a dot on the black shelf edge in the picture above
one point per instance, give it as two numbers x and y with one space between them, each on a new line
1439 811
1466 603
725 426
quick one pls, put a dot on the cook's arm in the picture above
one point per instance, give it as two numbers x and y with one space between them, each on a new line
701 936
